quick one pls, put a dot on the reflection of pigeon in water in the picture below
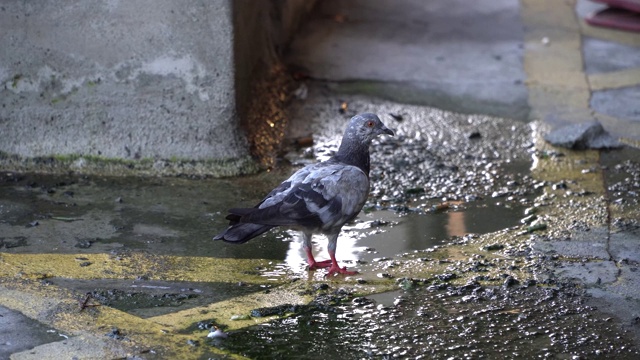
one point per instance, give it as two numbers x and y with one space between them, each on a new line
318 198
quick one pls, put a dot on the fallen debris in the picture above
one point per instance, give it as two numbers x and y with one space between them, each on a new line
588 135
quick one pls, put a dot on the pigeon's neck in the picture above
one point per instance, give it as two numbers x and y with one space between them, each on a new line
355 154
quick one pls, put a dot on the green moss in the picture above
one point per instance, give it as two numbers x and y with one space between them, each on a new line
16 79
58 99
68 158
92 83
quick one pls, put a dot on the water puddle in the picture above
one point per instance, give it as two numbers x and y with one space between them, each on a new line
179 217
441 323
74 214
19 333
622 176
386 233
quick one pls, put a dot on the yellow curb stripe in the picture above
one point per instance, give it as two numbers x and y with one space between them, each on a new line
630 129
571 166
615 79
133 266
223 311
60 309
617 36
553 61
590 208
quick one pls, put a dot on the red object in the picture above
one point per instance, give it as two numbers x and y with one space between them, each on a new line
631 5
616 19
331 264
313 264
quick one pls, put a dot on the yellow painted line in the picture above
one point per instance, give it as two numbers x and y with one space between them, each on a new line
629 128
60 309
562 210
622 37
615 79
559 90
553 62
570 166
557 23
133 266
223 311
631 142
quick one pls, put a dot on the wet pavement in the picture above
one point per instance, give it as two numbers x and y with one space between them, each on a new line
441 322
479 240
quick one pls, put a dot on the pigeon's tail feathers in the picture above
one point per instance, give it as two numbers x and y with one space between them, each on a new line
236 214
233 219
241 233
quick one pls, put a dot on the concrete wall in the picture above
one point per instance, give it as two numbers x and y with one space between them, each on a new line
136 79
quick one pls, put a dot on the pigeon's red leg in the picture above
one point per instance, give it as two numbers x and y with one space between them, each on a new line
335 268
313 264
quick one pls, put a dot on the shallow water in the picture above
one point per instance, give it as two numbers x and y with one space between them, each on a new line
179 217
440 322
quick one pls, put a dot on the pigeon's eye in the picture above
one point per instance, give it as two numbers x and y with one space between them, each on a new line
370 124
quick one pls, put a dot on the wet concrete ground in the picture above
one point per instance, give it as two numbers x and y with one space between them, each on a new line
450 223
442 322
478 240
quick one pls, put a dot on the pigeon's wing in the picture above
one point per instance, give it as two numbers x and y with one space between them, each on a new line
275 196
322 197
350 187
238 232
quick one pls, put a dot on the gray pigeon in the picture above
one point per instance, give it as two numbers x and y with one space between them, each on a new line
317 199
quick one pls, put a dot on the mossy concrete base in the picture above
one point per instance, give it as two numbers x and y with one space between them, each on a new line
136 80
97 165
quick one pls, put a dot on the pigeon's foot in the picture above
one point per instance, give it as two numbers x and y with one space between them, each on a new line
315 265
335 269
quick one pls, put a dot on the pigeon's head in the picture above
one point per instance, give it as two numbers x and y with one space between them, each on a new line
365 127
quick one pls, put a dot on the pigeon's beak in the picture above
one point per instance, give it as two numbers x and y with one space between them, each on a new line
386 130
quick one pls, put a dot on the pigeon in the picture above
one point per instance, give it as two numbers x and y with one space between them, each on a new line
317 199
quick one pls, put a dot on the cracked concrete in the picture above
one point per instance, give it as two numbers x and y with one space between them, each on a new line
625 246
